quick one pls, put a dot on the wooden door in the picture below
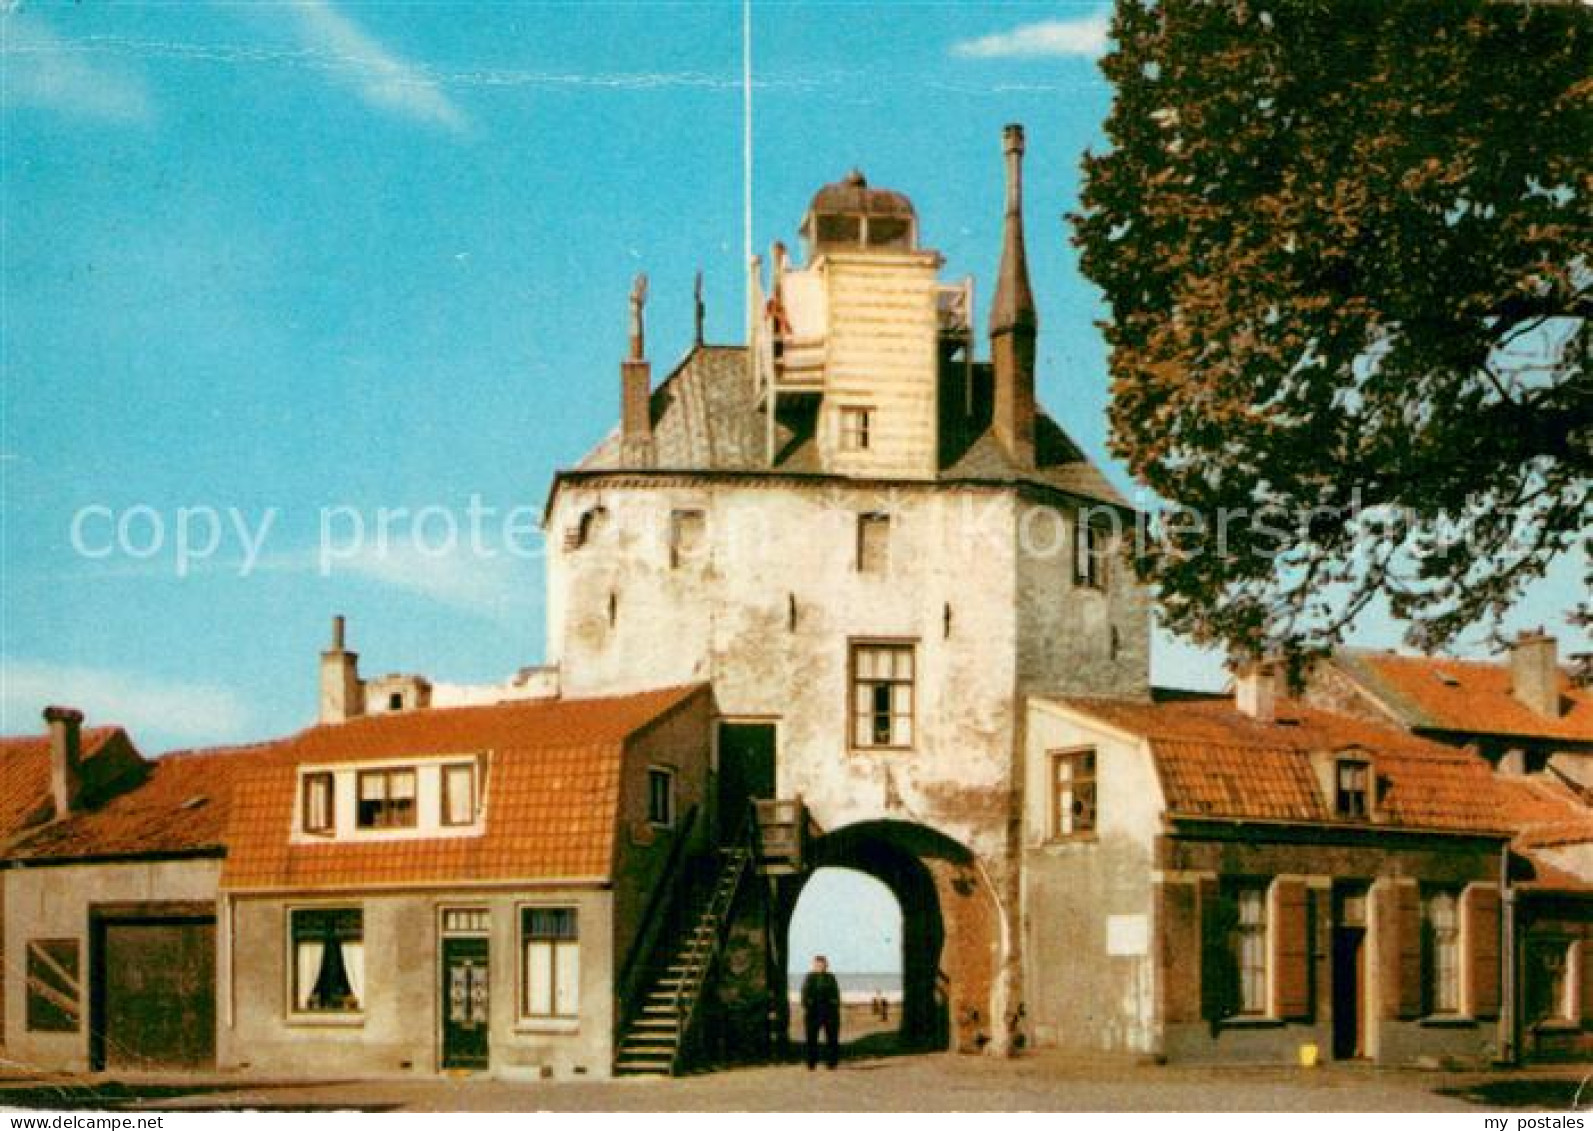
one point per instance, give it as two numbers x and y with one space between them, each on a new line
157 994
466 1003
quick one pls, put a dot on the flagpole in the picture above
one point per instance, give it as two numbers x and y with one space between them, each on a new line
746 157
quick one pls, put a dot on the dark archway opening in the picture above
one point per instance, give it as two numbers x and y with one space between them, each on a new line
922 869
854 921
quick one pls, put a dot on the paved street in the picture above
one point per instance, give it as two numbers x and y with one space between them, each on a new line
916 1083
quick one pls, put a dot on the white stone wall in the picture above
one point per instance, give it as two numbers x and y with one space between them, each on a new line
1089 941
767 611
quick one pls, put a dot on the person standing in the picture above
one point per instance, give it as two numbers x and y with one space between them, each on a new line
821 1013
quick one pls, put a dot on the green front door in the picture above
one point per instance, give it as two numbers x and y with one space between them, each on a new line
466 1003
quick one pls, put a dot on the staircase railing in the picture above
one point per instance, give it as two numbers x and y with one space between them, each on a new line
663 910
722 900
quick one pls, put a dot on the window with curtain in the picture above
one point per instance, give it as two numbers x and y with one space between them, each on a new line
550 942
1548 981
1251 935
882 695
317 803
387 799
1441 923
328 960
459 794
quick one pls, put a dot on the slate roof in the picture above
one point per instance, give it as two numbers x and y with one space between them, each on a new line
1214 762
108 758
1464 696
705 419
552 795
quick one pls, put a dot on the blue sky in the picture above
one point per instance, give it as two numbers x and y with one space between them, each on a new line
290 256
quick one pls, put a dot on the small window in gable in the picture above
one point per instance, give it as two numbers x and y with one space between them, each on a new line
1352 789
386 799
317 812
873 543
686 537
661 797
459 794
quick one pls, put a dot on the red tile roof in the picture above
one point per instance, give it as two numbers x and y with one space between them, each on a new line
108 756
1547 812
1213 761
552 795
1465 696
179 808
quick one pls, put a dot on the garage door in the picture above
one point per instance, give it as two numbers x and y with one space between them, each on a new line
158 993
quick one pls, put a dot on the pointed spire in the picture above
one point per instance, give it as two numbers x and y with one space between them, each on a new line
636 383
638 318
1014 325
1014 301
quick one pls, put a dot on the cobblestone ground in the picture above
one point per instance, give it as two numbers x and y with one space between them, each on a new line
942 1082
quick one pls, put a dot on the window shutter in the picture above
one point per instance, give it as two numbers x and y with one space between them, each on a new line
1480 919
1219 972
1291 949
1179 937
1407 939
1586 947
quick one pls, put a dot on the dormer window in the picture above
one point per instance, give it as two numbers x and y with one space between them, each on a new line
317 803
386 799
459 794
1352 792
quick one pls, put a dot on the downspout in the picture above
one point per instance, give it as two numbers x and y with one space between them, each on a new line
1508 1012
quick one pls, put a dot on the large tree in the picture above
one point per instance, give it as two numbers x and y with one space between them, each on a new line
1346 251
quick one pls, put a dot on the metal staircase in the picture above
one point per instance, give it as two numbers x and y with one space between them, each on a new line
657 1041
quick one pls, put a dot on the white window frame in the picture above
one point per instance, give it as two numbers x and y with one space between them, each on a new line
332 1017
856 713
556 1020
1062 826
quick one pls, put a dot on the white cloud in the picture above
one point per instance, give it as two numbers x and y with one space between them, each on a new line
382 78
1048 39
148 706
44 70
495 584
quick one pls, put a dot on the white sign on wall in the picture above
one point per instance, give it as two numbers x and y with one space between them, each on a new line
1127 936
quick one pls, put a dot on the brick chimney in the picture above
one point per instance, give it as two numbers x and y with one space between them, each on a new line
1014 325
1255 690
66 757
342 690
1535 673
636 388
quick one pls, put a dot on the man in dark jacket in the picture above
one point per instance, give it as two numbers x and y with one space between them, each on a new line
821 1011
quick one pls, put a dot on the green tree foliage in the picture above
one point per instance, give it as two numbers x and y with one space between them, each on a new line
1346 250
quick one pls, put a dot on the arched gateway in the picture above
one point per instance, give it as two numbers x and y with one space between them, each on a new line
949 938
873 545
